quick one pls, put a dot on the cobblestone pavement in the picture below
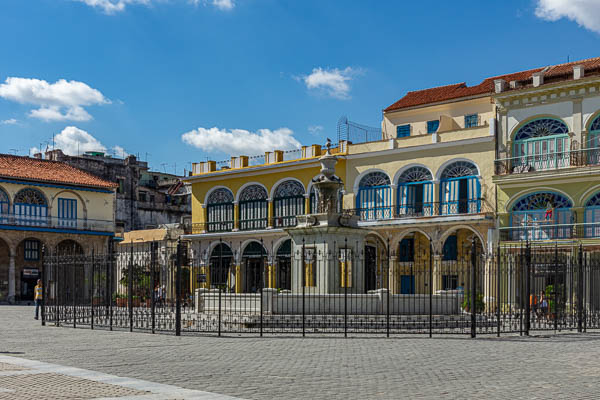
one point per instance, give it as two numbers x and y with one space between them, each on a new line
561 366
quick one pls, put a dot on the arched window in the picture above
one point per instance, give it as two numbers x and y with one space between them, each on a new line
415 192
288 201
592 216
253 208
541 216
374 199
542 144
220 262
593 142
219 210
4 204
460 190
30 207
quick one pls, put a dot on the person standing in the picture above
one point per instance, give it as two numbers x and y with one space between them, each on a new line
38 297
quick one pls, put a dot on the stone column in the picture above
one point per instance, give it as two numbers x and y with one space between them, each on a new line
12 284
270 214
239 288
578 122
271 276
437 272
437 210
307 204
236 216
394 276
204 227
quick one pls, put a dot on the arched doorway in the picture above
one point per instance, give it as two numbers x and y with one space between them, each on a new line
31 207
542 144
460 190
374 198
253 259
288 202
220 263
219 211
284 265
413 257
454 273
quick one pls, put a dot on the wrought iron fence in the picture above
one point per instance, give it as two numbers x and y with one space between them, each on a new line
310 289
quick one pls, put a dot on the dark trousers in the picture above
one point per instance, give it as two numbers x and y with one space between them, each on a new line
38 304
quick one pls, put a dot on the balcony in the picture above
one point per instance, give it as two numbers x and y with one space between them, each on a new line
423 210
549 231
547 161
18 220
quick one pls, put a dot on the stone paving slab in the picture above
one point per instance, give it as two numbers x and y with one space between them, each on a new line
563 366
23 379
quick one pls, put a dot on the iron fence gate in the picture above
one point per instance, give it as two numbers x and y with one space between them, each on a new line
306 289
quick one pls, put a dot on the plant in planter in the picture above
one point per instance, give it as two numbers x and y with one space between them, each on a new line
142 283
120 300
479 304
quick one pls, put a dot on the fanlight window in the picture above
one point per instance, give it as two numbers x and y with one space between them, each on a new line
220 195
374 179
595 126
288 202
289 189
459 169
30 196
220 211
542 216
253 192
415 174
374 198
542 127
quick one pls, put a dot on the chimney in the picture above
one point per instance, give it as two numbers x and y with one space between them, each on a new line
578 71
538 79
514 84
499 85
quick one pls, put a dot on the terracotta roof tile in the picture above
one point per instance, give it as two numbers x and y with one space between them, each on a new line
34 169
460 90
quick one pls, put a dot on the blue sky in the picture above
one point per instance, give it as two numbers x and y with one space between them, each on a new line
177 81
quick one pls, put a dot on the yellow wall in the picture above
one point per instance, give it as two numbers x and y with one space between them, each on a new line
93 205
418 117
482 154
267 176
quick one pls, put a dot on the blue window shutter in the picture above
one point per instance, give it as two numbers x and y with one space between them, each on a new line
432 126
403 130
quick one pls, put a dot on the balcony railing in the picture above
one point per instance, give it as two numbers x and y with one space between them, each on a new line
547 161
57 223
543 231
421 210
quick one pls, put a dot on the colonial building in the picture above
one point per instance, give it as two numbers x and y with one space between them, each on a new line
145 199
47 206
548 165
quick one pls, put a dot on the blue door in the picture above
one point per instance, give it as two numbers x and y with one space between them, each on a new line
407 284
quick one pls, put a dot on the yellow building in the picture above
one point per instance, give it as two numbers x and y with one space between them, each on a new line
424 192
47 206
547 168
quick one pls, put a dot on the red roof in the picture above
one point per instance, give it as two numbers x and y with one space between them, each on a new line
553 73
34 169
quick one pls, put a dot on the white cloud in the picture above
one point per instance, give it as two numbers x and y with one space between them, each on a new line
59 101
10 121
585 12
119 151
75 141
223 4
315 129
116 6
241 142
333 82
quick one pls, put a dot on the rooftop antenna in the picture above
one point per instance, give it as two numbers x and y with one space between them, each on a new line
164 165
